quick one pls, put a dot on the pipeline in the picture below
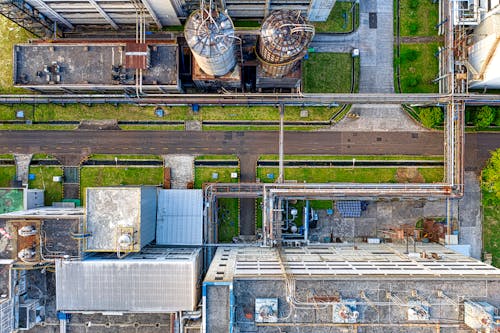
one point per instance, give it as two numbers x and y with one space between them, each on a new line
188 315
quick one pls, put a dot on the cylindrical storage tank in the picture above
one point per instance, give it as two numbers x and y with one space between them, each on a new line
210 36
283 41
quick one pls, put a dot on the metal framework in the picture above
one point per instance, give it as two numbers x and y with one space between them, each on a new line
29 18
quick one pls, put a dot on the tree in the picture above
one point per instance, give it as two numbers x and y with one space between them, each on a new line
431 117
491 175
484 117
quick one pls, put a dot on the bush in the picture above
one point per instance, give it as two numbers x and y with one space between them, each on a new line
431 117
484 117
491 175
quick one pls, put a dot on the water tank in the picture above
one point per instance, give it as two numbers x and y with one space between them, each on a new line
210 36
283 41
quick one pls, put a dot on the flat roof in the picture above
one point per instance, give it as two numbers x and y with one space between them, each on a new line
155 280
339 261
180 217
90 64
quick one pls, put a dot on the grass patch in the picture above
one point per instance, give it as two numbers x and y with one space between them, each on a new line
125 157
11 34
7 174
350 157
116 176
42 157
432 175
418 18
152 127
246 24
260 128
327 73
339 20
321 204
491 227
419 67
43 180
37 127
6 156
217 158
204 175
343 175
228 217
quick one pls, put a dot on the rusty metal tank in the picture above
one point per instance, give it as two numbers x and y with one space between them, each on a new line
210 36
283 41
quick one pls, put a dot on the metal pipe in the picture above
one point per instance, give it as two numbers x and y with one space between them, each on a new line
306 222
281 177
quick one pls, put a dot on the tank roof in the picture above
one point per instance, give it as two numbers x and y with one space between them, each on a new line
286 33
209 33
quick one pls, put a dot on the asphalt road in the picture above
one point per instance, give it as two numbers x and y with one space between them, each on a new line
477 145
255 143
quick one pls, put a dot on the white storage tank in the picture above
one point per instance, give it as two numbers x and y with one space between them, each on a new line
210 36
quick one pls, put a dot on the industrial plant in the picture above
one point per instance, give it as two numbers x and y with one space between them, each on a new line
318 257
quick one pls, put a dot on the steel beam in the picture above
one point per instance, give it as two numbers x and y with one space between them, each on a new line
152 13
56 15
104 14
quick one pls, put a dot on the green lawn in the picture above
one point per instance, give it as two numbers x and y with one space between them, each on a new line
124 157
491 226
345 175
10 34
7 174
418 17
152 127
78 112
217 157
43 180
339 20
327 73
350 157
115 176
6 156
419 67
204 175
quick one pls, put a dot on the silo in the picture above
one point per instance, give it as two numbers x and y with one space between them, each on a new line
284 37
210 36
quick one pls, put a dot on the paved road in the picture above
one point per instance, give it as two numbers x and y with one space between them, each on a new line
477 145
253 143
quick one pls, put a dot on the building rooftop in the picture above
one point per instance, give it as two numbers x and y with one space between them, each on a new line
346 261
57 225
115 211
99 64
180 217
154 280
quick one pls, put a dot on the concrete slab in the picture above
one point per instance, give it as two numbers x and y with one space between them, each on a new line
181 169
470 219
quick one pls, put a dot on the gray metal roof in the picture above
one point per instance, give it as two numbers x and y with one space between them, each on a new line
155 280
180 217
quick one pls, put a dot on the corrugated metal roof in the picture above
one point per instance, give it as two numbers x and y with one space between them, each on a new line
180 217
157 280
